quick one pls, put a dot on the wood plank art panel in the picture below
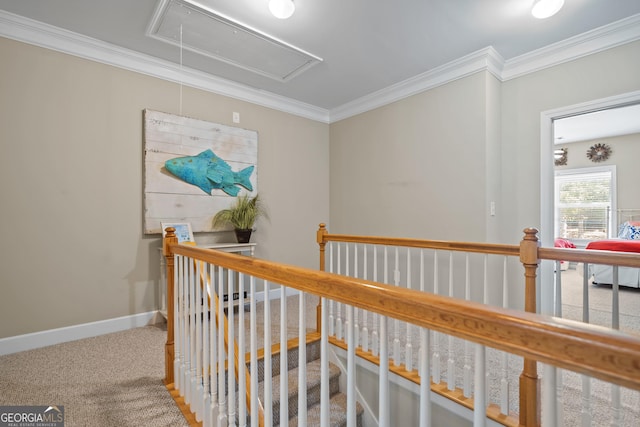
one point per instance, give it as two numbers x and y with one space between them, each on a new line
169 198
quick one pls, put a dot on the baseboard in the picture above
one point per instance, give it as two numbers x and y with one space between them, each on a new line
71 333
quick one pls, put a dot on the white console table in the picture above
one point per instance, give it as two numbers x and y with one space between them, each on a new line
241 248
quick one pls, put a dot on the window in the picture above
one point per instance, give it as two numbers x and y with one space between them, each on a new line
584 202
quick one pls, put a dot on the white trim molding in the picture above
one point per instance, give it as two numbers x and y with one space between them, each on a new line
626 30
76 332
488 59
43 35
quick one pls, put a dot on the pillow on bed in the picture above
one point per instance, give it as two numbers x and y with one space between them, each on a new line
629 232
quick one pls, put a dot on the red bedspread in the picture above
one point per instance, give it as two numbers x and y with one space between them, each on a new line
618 245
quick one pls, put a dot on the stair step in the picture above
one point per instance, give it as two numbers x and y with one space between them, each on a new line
337 413
313 388
313 353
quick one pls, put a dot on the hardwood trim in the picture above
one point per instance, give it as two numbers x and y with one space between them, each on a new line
189 416
169 241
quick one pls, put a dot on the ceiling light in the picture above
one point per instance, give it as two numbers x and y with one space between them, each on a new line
282 8
545 8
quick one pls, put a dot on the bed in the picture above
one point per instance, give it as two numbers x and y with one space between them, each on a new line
628 241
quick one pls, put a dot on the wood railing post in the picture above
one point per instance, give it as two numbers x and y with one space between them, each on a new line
169 240
529 382
320 234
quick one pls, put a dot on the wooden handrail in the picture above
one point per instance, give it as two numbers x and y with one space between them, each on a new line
530 254
605 354
485 248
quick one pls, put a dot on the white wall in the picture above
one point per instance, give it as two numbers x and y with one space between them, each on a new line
71 182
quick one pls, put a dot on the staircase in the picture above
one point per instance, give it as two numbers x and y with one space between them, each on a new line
338 402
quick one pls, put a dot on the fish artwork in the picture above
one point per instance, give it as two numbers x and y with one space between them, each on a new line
209 172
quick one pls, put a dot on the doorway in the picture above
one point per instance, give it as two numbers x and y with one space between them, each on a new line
547 146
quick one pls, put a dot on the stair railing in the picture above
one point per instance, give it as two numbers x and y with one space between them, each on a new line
612 357
402 262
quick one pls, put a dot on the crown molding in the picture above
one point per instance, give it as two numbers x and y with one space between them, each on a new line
606 37
43 35
624 31
488 59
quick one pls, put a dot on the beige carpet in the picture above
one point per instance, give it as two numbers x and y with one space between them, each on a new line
110 380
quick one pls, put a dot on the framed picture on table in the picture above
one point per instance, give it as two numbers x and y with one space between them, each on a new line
183 231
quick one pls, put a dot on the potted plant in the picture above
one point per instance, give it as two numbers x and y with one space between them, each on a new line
241 215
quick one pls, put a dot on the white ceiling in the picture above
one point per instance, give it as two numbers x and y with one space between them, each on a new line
365 45
623 120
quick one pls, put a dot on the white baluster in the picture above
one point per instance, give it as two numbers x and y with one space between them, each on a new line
284 384
356 325
331 318
347 263
231 356
615 300
408 348
365 313
436 336
467 345
383 377
422 351
302 363
197 404
558 291
191 388
616 419
253 326
324 368
351 368
504 378
586 413
375 339
184 356
549 397
338 305
222 393
425 381
213 351
480 389
396 322
451 364
177 316
242 351
205 399
268 383
585 293
185 328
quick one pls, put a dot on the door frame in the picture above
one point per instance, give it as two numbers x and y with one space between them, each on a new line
546 294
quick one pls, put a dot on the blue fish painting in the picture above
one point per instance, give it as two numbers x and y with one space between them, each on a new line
208 172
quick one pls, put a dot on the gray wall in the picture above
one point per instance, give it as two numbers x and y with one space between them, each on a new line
71 182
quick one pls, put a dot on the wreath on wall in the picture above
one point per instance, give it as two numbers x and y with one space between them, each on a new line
598 152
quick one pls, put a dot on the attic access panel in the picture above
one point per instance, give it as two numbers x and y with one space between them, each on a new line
206 32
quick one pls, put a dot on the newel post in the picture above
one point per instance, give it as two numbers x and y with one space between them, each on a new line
529 382
167 242
320 234
322 231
